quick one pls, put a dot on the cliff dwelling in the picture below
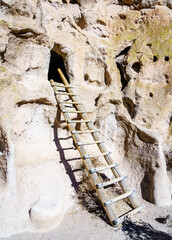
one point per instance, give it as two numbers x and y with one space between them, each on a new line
56 61
116 56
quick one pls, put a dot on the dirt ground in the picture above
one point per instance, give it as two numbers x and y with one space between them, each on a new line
79 224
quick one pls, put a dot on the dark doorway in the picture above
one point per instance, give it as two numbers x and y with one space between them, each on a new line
56 61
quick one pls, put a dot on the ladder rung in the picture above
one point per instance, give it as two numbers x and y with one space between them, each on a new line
68 111
69 104
99 169
79 121
89 143
82 132
125 195
65 102
105 184
134 211
102 154
65 93
64 86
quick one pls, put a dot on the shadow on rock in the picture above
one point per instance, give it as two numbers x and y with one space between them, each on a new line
143 231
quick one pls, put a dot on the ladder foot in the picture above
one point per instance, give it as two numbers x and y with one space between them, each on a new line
68 103
119 220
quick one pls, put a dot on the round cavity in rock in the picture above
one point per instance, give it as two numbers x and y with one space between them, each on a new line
122 16
107 78
155 58
82 22
166 76
124 82
86 77
149 44
144 120
136 67
156 165
167 58
151 94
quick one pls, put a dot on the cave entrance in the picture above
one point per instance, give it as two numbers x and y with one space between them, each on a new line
56 61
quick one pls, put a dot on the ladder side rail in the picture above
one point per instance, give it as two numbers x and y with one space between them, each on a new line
116 172
88 164
101 146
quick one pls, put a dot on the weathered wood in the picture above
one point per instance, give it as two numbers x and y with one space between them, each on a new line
102 147
64 93
70 102
128 214
100 169
90 143
88 164
108 183
120 197
96 156
106 202
79 121
70 111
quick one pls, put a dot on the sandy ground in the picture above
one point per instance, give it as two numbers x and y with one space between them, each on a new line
81 225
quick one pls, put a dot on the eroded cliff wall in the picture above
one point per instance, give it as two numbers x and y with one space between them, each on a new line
118 56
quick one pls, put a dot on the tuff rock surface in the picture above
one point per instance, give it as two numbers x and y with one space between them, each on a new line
118 56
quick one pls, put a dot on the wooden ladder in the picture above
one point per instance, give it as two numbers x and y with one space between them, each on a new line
65 90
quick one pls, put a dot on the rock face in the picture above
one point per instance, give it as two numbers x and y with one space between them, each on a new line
118 56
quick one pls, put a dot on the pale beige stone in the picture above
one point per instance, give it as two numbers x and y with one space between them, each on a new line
95 39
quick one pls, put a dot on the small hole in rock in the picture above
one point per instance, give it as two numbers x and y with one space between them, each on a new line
121 65
166 76
101 22
107 78
167 58
71 1
82 22
151 94
96 100
123 80
155 58
136 67
149 44
86 77
124 51
122 16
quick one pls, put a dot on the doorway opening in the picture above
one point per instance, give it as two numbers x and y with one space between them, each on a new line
56 61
